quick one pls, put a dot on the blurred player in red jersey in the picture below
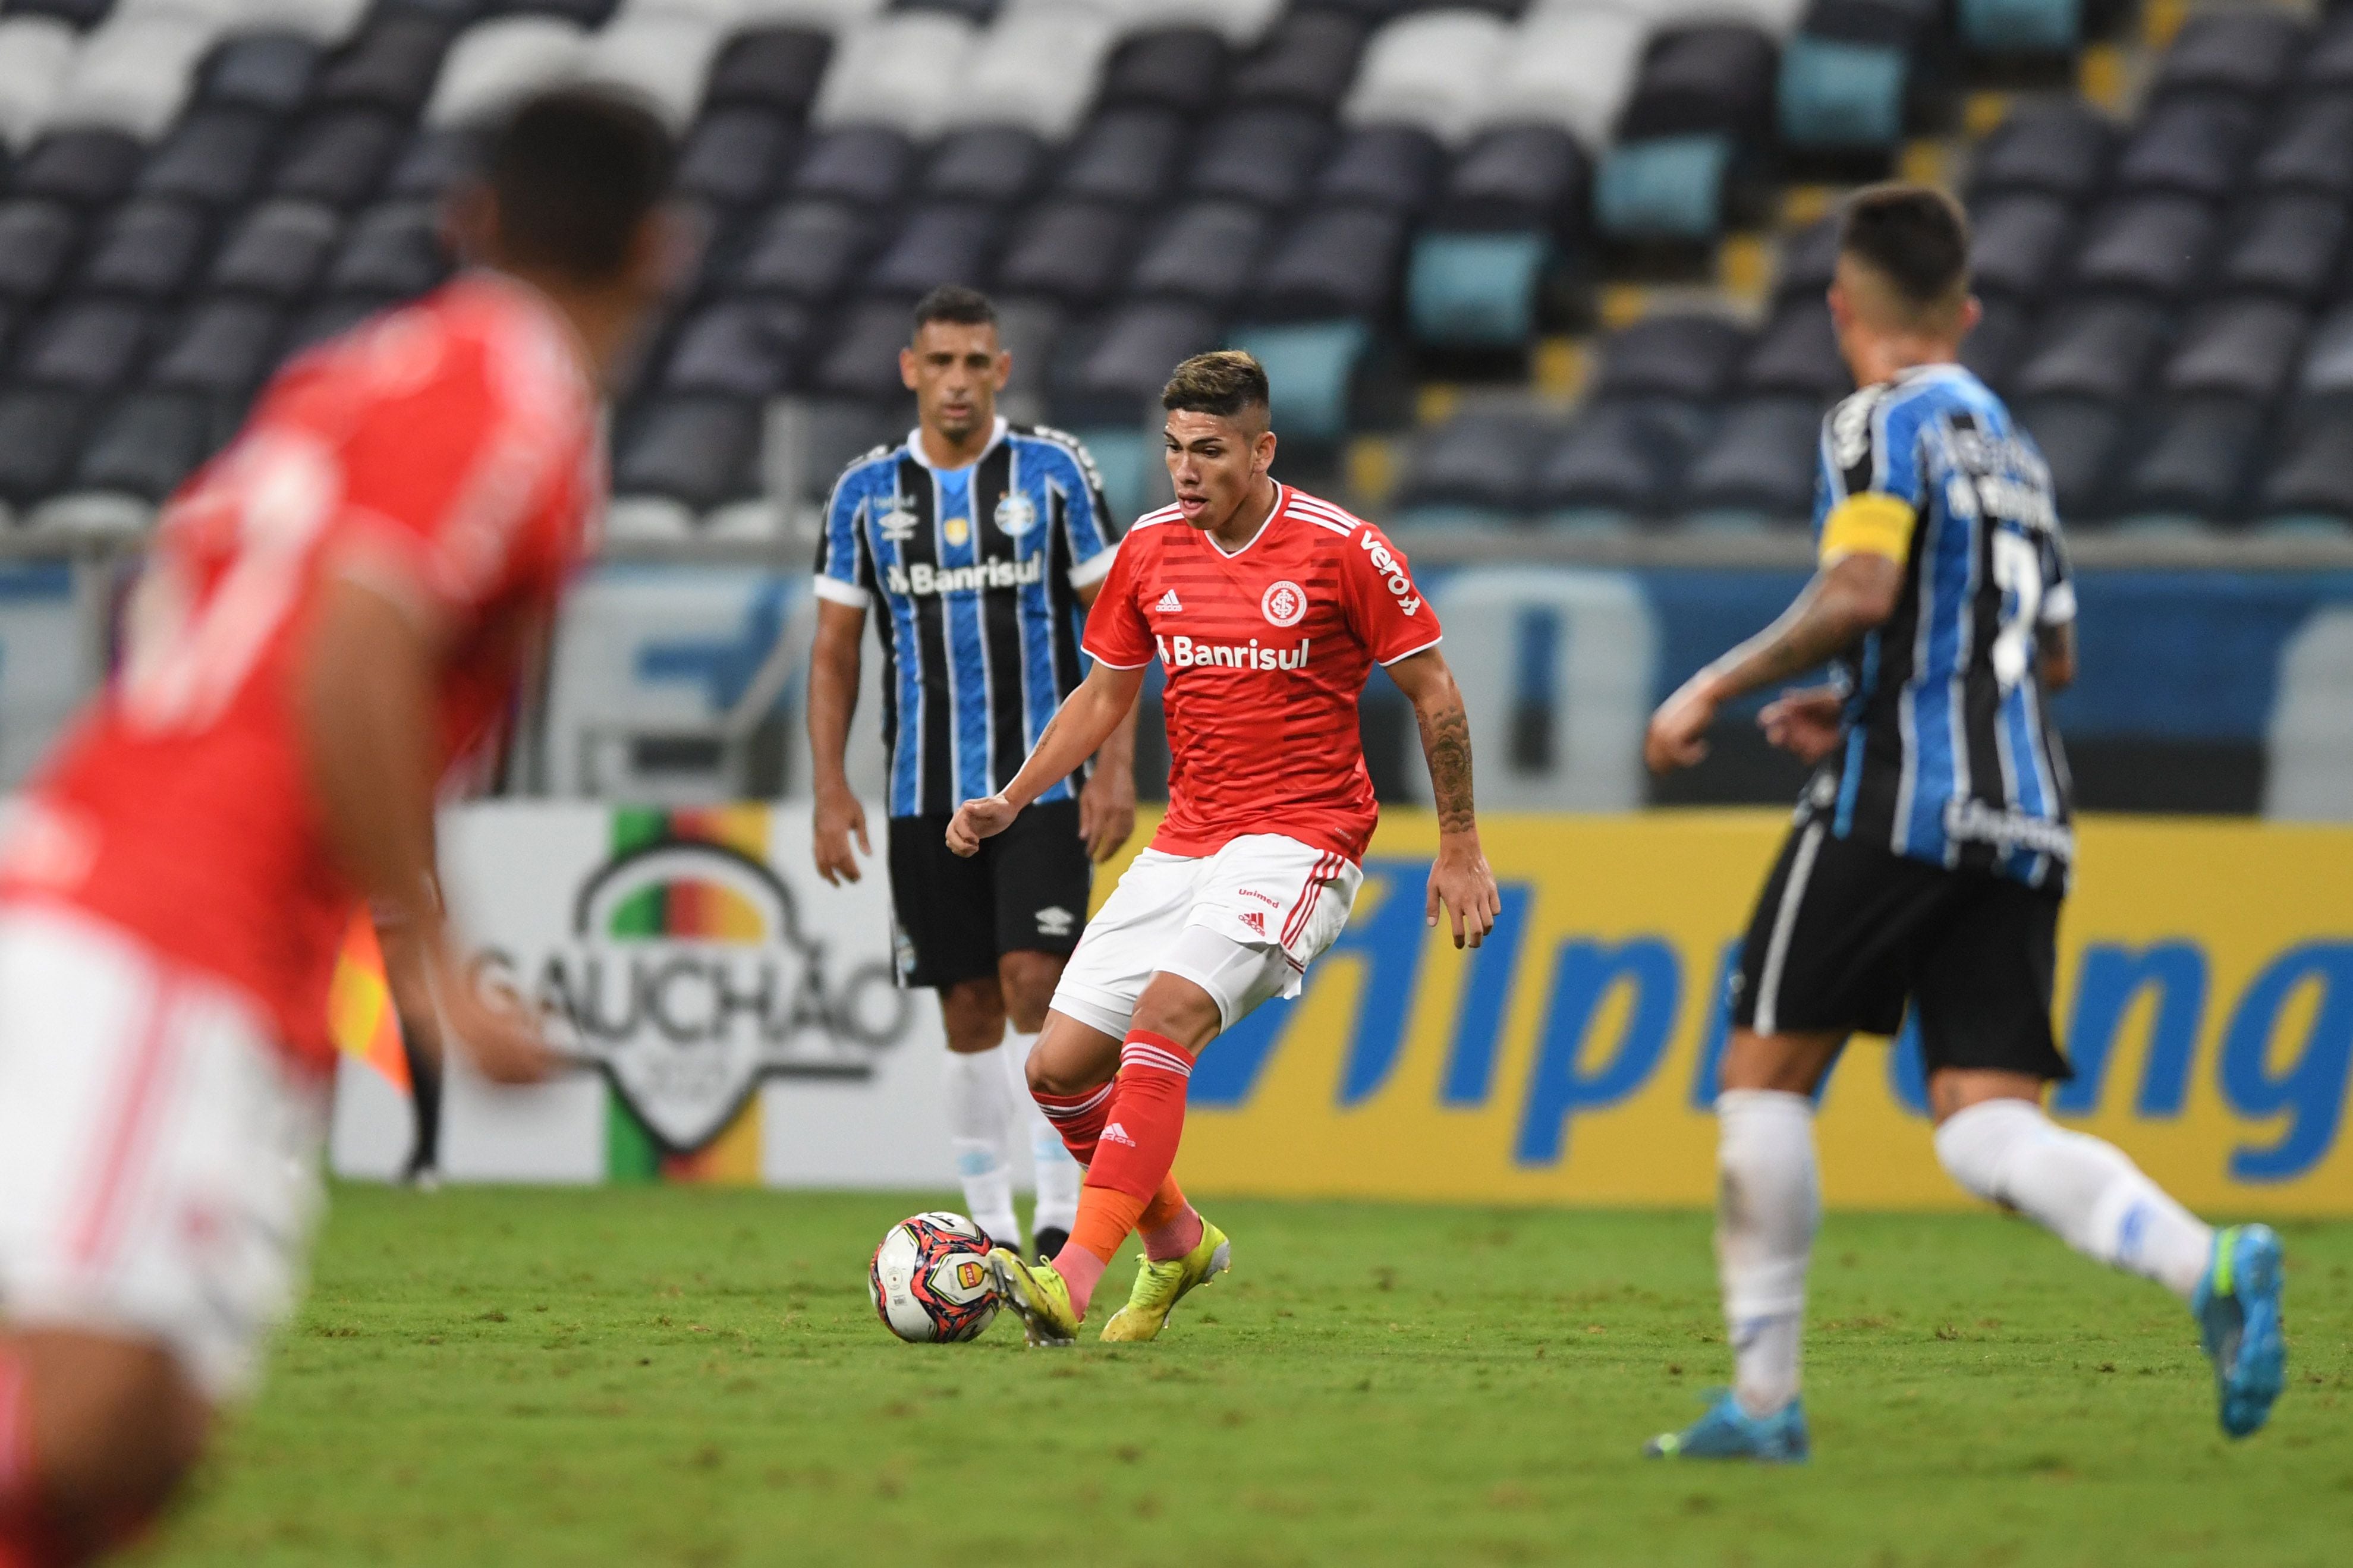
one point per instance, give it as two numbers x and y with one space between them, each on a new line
1268 608
337 614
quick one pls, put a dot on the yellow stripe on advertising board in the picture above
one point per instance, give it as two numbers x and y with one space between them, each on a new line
2205 991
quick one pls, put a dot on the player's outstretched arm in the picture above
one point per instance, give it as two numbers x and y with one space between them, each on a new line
1460 877
1844 600
365 715
1077 730
832 699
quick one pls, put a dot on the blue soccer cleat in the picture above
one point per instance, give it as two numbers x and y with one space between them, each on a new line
1728 1432
2238 1308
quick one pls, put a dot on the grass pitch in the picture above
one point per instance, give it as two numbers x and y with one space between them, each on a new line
692 1376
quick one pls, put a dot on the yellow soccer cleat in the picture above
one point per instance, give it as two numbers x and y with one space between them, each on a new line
1038 1296
1160 1286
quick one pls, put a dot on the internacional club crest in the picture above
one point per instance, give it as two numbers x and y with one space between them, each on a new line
1284 605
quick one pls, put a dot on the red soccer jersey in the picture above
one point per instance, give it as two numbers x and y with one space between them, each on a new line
1266 652
445 452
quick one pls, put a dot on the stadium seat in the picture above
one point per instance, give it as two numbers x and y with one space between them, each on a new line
35 53
805 251
2286 244
1310 368
1715 77
893 70
1807 259
1842 94
493 62
1339 261
148 249
2312 150
2309 475
1118 377
1261 155
85 345
78 15
1126 156
391 65
699 452
1206 253
1623 458
1394 167
1475 466
996 164
863 361
339 159
2099 348
87 168
1475 290
1518 177
2020 27
1760 460
1664 187
433 161
1073 253
38 238
2063 148
1309 58
2195 146
771 68
662 56
841 430
2078 439
213 157
134 74
1182 68
1428 70
2155 245
1993 351
224 346
1570 66
1796 355
1128 463
2017 243
2327 370
868 165
944 242
1038 68
268 72
2192 461
144 445
277 251
40 433
393 249
1241 23
330 317
2253 52
741 348
329 22
2327 64
1691 357
734 157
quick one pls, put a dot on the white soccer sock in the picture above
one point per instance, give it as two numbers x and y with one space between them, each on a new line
981 1115
1768 1205
2085 1192
1059 1176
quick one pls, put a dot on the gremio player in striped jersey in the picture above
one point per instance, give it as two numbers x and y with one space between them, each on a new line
1931 851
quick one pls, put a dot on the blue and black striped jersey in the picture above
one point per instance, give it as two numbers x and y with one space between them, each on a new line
1949 756
977 571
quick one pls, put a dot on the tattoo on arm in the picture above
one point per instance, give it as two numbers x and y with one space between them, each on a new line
1446 743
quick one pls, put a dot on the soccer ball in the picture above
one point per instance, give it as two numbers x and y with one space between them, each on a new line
930 1279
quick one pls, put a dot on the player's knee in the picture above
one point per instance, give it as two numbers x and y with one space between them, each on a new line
1027 981
1179 1009
972 1013
1978 1143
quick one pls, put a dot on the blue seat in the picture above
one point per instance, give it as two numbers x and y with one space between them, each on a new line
2021 27
1667 188
1310 368
1841 94
1475 290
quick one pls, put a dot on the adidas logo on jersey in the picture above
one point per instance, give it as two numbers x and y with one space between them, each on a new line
1184 653
1168 604
1115 1133
1255 920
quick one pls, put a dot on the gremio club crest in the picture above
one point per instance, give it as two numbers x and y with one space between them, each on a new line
688 978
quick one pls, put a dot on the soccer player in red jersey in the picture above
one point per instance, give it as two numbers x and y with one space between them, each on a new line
337 612
1267 608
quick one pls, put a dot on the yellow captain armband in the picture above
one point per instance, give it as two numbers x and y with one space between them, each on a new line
1872 523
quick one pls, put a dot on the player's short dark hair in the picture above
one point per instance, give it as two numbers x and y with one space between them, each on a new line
1915 237
1225 383
575 171
954 303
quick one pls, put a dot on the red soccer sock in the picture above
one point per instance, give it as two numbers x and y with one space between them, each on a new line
1169 1226
1138 1143
26 1539
1078 1118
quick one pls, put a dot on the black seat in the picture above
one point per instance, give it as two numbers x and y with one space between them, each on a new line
2313 148
214 157
1809 259
741 348
330 317
1797 355
771 68
1182 68
1992 349
2327 64
277 252
2196 146
41 432
223 346
391 65
86 346
2192 459
863 362
2063 148
701 452
2251 52
268 72
1760 458
435 159
393 249
1624 454
149 249
2099 348
1118 375
869 164
947 242
2079 439
38 238
2017 244
805 251
1309 58
2245 347
1341 261
86 168
2155 245
1392 166
2327 370
340 158
1711 77
735 155
1262 156
1206 253
1127 156
1517 177
1478 459
1691 357
1073 253
2288 245
145 445
2308 474
994 165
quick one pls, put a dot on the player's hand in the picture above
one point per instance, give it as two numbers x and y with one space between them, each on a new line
1107 812
840 817
503 1041
1676 736
1807 724
1460 879
977 819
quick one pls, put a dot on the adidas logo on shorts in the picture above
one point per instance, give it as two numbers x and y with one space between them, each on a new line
1169 603
1255 920
1115 1133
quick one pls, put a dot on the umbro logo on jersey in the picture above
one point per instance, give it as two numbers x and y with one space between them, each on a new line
898 525
1115 1133
1055 920
1168 604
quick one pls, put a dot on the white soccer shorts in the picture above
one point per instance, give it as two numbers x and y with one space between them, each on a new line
1281 900
159 1158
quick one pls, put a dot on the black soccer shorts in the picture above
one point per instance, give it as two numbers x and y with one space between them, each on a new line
1847 932
1025 892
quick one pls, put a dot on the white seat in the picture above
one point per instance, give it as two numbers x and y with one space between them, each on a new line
666 56
906 71
36 56
135 73
1575 68
1038 68
1778 17
495 62
1430 69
